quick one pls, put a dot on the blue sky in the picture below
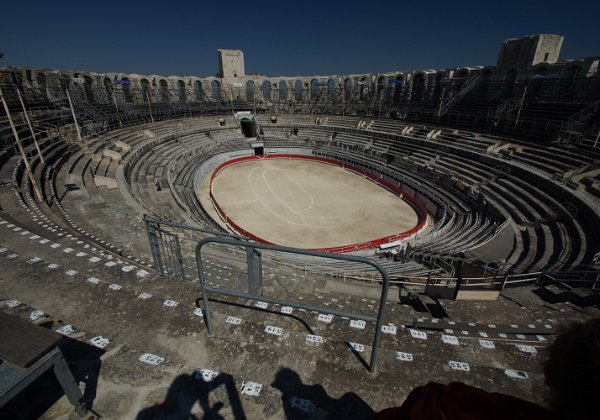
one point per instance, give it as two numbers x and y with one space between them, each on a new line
283 38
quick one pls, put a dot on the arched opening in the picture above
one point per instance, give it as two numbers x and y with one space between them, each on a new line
266 88
215 89
298 87
145 84
283 89
181 91
437 87
314 88
398 88
380 85
461 74
348 89
198 90
163 88
43 84
540 71
108 87
17 79
418 87
41 79
363 87
331 87
250 90
65 81
126 89
88 87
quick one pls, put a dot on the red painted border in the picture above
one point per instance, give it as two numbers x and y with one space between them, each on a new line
420 209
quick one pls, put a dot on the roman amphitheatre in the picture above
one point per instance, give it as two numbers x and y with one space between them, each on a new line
249 246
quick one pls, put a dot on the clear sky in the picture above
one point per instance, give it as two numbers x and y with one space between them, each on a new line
180 37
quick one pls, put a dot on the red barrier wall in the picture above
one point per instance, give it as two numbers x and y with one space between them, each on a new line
419 208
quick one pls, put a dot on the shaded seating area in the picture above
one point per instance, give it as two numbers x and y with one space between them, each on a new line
27 351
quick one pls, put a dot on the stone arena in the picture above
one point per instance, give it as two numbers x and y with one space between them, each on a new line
245 246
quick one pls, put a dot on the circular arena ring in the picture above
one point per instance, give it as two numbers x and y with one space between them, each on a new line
312 202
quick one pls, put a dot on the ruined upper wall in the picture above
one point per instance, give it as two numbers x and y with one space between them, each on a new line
518 59
521 54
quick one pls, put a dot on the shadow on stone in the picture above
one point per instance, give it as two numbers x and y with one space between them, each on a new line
186 390
31 403
199 304
302 401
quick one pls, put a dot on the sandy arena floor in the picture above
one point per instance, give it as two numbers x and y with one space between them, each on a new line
308 204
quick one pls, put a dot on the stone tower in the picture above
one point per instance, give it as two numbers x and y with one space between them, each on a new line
231 64
521 54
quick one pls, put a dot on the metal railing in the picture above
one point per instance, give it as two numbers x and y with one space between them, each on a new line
255 289
467 87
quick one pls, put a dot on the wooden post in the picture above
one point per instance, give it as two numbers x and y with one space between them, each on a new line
521 105
149 107
73 113
30 127
20 146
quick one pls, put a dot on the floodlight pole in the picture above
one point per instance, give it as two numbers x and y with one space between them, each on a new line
73 112
30 127
20 146
117 108
521 105
149 107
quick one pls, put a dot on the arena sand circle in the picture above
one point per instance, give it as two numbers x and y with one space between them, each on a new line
310 203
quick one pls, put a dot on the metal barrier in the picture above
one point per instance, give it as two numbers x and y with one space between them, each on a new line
172 243
255 290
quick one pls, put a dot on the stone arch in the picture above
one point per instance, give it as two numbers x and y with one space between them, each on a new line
398 88
163 88
462 73
331 86
88 87
437 86
380 84
65 81
363 87
283 89
266 90
145 85
126 89
215 89
181 91
418 87
250 90
314 88
540 70
348 88
198 91
17 79
42 84
42 81
298 88
108 88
